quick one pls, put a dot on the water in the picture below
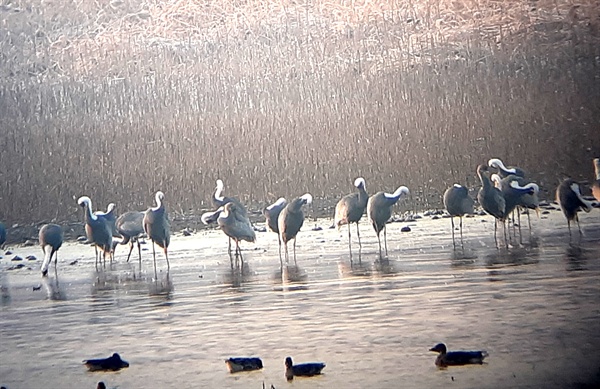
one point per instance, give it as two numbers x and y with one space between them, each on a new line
535 309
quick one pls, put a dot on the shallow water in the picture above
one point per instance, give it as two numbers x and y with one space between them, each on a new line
535 309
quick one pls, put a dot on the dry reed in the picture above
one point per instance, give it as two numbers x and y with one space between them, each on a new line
278 98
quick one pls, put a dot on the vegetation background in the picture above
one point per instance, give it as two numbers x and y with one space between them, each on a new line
117 99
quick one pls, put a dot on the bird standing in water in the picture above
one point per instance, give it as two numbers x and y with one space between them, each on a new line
350 209
379 211
458 203
157 227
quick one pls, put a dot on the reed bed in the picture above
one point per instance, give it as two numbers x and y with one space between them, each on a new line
119 100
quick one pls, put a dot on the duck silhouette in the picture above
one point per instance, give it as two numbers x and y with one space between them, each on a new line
302 369
112 363
457 358
238 364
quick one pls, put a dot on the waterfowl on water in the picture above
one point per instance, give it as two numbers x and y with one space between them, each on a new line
302 369
112 363
235 365
457 358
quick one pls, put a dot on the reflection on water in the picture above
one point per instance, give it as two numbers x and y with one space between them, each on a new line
575 257
53 288
512 257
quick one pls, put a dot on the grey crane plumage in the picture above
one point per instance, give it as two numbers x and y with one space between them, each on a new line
350 209
51 239
596 183
157 227
219 201
234 223
110 217
458 203
271 214
98 229
568 195
130 226
517 193
491 199
290 221
379 211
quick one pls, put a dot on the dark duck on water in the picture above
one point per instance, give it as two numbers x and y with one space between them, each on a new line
457 358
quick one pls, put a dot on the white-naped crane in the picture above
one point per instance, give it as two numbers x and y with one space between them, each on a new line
271 214
157 227
51 239
130 226
290 221
234 223
503 170
568 195
379 211
98 229
350 209
458 203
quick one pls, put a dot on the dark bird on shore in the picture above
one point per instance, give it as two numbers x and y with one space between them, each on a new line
457 358
130 226
504 171
235 365
491 199
157 227
350 209
595 184
2 235
233 223
458 203
303 369
51 238
568 195
98 229
379 211
271 214
112 363
290 221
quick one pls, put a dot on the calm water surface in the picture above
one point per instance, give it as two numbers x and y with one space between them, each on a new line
535 309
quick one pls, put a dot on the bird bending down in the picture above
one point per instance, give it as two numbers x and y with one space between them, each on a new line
350 209
379 211
491 200
130 226
51 238
504 171
458 203
457 358
568 195
302 369
156 226
233 223
290 221
271 214
596 183
98 229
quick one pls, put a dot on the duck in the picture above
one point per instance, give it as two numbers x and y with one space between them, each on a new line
302 369
238 364
113 363
457 358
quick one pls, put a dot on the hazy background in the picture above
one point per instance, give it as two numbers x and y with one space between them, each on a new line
117 100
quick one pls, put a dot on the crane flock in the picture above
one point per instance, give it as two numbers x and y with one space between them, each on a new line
505 192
